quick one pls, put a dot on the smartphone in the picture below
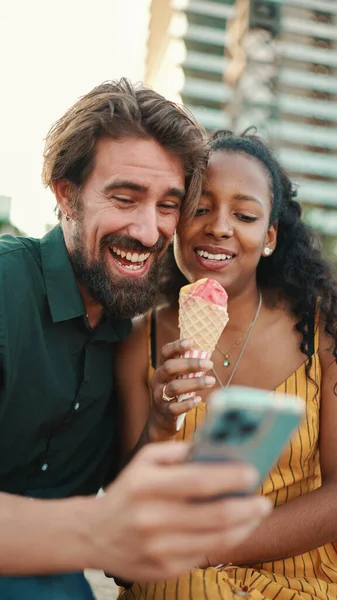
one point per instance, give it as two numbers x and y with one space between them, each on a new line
247 425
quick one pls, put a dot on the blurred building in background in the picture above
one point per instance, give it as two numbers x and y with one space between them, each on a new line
268 63
5 224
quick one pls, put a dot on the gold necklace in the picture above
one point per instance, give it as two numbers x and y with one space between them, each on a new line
248 335
226 355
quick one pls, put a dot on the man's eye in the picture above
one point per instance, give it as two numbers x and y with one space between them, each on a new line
169 206
122 199
246 218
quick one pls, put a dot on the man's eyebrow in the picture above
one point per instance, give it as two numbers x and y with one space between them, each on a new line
126 184
177 192
120 184
248 198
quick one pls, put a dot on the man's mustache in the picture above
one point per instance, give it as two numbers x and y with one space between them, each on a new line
129 243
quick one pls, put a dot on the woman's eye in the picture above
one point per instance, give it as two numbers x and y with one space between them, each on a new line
246 218
201 211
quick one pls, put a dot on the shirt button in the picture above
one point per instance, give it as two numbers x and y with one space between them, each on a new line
44 467
77 406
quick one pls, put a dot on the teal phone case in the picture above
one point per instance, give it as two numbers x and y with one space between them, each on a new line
247 425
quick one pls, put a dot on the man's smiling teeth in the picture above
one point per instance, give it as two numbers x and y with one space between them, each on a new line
131 256
130 267
210 256
137 260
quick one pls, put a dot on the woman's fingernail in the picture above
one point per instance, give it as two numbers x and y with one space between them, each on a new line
206 364
197 400
265 506
209 380
251 475
186 343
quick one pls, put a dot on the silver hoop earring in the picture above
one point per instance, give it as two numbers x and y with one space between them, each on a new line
267 251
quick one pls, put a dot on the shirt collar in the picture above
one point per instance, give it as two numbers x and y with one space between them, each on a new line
64 297
112 331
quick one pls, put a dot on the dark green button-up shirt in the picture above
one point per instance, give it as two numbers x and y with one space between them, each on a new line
57 406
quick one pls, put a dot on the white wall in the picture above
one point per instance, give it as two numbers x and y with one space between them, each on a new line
52 52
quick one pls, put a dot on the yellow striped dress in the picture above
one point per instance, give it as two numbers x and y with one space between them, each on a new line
309 576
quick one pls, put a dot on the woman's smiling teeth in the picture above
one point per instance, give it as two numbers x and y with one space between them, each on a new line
210 256
130 260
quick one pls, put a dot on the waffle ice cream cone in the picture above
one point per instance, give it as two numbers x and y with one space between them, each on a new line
202 318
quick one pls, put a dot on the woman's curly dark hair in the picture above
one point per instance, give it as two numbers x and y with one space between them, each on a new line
296 269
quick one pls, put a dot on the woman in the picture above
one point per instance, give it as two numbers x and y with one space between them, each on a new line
282 335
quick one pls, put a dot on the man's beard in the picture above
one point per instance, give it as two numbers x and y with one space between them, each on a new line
120 297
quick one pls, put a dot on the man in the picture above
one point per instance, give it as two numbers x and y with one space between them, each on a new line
124 165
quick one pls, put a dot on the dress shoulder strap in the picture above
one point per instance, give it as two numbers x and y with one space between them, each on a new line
153 338
313 331
311 335
151 325
316 328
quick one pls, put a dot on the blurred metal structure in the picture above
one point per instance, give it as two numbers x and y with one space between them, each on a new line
268 63
5 224
5 208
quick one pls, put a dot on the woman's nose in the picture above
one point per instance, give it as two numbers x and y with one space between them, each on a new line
220 228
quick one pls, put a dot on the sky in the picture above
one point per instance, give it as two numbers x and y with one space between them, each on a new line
52 52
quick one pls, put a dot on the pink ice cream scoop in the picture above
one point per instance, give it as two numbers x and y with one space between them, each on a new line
208 289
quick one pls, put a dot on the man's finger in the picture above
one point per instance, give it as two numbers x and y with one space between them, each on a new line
189 480
200 517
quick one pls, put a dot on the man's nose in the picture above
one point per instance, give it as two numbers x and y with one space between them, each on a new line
145 227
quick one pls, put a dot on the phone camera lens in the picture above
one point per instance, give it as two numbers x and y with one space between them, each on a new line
248 428
221 435
232 416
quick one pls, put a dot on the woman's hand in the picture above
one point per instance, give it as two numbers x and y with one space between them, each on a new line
167 383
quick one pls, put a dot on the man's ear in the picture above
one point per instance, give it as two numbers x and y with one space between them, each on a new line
63 193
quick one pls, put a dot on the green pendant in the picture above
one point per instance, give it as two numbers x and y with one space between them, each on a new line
226 362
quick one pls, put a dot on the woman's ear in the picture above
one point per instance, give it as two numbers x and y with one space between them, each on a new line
270 240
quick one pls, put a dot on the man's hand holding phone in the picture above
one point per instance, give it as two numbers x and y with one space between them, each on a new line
149 514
